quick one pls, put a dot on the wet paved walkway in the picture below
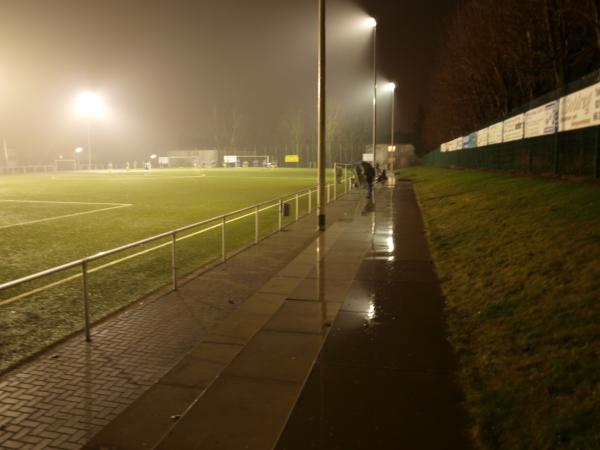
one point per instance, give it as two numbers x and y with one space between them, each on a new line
344 348
385 376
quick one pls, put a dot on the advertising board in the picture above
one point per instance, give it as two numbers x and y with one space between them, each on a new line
513 128
541 120
580 109
495 133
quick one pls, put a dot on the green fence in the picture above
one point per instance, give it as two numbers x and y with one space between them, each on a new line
570 153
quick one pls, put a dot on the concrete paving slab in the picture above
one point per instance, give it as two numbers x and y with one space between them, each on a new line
237 329
191 372
216 353
281 284
262 303
236 413
298 269
277 355
304 317
315 289
148 420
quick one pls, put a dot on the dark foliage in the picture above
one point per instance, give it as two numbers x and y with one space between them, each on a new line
500 55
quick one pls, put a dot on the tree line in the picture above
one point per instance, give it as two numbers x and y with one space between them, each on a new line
497 56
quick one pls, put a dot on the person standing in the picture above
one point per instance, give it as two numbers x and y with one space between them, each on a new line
369 173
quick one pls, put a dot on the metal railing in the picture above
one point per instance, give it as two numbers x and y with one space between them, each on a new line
218 222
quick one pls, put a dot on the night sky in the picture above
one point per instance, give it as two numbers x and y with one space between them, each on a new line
409 38
164 67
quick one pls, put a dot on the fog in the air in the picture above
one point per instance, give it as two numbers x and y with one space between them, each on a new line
175 74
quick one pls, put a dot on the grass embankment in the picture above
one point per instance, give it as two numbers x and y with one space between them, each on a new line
519 261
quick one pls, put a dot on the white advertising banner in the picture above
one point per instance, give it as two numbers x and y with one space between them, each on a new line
580 109
451 146
541 120
458 143
444 147
495 133
482 137
367 157
465 141
513 128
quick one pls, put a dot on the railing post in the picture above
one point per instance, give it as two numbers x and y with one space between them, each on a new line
334 181
297 203
223 243
280 214
309 201
86 303
174 260
328 192
346 184
256 225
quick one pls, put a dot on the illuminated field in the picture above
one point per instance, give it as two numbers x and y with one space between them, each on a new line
48 220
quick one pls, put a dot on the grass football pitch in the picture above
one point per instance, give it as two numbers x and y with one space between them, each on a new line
51 219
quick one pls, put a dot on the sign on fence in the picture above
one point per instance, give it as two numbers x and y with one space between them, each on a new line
482 137
580 109
495 133
541 120
458 143
465 142
513 128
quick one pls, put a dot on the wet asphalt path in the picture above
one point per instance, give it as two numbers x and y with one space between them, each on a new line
385 378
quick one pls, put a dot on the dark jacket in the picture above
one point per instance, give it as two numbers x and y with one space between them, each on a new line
369 171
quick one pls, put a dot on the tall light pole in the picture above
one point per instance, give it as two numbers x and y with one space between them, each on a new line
373 24
392 87
321 201
89 105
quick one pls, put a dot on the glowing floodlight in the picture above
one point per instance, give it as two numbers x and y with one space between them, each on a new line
89 104
78 150
390 87
370 22
153 156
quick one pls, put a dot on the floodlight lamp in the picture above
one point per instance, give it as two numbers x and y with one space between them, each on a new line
89 104
370 22
78 150
390 87
153 156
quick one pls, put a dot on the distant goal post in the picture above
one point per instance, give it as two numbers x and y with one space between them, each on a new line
193 158
246 161
65 164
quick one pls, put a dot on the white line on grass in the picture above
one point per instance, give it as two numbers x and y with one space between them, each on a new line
64 216
134 255
63 203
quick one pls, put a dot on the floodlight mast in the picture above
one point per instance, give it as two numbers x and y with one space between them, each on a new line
373 24
392 87
321 158
89 104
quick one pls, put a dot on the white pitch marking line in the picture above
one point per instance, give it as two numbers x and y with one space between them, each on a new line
64 216
117 261
63 203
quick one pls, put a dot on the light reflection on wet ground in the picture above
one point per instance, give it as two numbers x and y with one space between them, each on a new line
384 378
